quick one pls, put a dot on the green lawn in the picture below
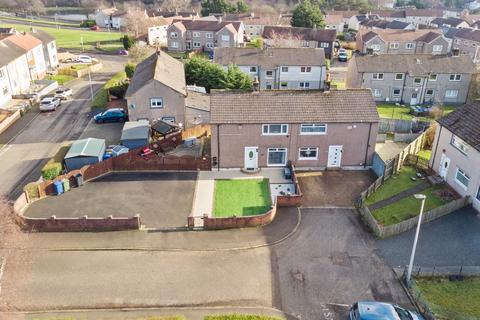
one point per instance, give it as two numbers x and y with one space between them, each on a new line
240 317
397 183
241 197
425 154
391 111
101 98
452 300
71 39
409 207
340 85
28 21
61 78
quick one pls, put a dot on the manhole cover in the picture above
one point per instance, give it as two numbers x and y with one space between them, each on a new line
341 259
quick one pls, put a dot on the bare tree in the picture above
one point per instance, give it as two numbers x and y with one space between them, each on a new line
137 53
283 40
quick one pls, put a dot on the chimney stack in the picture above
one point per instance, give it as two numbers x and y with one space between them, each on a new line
256 85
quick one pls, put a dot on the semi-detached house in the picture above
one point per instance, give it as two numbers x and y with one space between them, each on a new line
311 129
191 35
456 151
413 78
49 48
35 57
14 72
278 68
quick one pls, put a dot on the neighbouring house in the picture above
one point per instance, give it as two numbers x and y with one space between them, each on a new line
157 35
334 22
413 78
158 91
402 42
84 152
385 24
190 35
346 15
355 21
14 73
311 129
450 23
135 134
456 151
278 68
49 48
293 37
35 58
390 15
422 16
152 13
253 24
110 18
467 42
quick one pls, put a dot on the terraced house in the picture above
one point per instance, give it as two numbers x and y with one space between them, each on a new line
312 129
278 68
467 41
413 78
190 35
402 42
456 151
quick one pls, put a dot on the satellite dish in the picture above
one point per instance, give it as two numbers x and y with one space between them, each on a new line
196 120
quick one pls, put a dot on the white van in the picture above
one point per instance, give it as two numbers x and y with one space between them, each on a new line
84 59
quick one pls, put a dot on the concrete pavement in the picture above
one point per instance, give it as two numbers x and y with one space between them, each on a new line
22 159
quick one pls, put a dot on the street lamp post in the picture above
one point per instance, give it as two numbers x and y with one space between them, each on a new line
90 82
412 257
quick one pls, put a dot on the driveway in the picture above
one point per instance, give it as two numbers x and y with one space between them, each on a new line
333 188
111 132
453 240
163 199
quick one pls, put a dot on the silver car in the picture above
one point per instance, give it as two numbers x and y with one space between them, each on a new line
49 104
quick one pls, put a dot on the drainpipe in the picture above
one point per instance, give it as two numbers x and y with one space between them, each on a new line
436 147
403 87
368 146
218 147
424 88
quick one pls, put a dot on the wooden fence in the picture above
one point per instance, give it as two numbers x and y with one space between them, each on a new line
197 131
382 231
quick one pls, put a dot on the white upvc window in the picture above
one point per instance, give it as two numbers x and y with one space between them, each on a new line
308 153
455 77
173 35
417 81
196 34
196 44
432 77
437 48
305 44
375 47
277 157
284 69
253 69
377 92
459 144
394 45
209 35
324 45
169 119
429 92
409 45
156 103
305 69
377 76
462 178
396 93
399 76
283 85
304 85
269 74
313 129
225 37
275 129
209 45
174 44
451 93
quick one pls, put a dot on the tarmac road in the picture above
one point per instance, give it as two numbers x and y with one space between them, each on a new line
22 158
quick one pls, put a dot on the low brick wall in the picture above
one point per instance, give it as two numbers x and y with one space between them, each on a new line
292 200
239 222
381 231
54 224
7 122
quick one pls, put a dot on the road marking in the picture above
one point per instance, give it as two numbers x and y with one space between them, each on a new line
2 269
4 149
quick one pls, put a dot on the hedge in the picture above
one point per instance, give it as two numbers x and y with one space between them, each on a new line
54 166
32 190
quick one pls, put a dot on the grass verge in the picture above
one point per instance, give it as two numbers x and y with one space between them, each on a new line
101 98
71 39
61 78
397 183
53 23
409 207
241 197
451 300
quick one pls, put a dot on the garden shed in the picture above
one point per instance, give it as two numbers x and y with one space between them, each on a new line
84 152
135 134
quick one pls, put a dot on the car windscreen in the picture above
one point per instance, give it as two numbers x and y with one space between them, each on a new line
46 102
403 314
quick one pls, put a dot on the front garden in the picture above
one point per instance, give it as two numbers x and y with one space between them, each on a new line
450 299
241 197
392 111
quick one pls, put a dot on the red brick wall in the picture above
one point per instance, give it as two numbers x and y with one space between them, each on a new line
239 222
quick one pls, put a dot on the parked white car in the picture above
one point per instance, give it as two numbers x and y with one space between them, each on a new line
49 104
63 93
84 59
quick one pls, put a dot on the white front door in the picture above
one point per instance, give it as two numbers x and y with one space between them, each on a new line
414 99
334 156
251 158
444 164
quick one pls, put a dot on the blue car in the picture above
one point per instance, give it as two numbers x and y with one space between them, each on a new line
111 115
372 310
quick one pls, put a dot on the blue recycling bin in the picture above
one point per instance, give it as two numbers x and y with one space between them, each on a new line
58 185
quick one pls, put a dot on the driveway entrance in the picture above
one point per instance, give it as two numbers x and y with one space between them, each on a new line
162 199
333 188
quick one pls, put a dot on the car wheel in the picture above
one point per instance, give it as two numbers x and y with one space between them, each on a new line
100 121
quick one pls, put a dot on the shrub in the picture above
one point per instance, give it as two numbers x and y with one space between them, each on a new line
87 24
32 190
118 90
51 170
128 41
130 70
